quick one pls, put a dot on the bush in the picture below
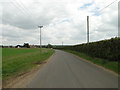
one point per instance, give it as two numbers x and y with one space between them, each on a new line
106 49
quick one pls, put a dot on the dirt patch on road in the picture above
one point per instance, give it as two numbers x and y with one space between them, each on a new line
23 79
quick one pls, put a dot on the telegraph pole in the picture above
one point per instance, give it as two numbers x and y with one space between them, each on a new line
40 39
62 44
119 19
88 29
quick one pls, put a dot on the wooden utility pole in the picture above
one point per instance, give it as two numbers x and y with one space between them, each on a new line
88 29
119 19
62 44
40 39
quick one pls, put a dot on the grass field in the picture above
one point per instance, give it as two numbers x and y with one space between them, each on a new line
112 65
17 61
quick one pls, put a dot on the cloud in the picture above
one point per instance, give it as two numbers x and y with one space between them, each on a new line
63 21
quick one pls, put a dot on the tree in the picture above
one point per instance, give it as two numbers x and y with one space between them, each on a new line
26 45
49 46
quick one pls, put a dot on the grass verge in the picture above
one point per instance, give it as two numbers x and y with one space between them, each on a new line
18 61
111 65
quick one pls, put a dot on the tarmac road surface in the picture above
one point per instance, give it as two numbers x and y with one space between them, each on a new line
65 70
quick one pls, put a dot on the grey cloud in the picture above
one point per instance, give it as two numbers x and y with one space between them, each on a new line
22 26
16 18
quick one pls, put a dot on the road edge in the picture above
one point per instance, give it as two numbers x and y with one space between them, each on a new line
101 67
23 80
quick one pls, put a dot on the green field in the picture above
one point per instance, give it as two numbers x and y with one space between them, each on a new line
111 65
17 61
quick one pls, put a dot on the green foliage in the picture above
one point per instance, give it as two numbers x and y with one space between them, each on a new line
17 61
113 65
49 46
26 45
106 49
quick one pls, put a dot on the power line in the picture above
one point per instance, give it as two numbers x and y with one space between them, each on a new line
11 3
26 11
23 7
17 6
20 7
107 6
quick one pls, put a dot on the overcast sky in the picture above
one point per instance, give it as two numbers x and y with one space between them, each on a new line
62 20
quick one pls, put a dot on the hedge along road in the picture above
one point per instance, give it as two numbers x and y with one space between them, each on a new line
65 70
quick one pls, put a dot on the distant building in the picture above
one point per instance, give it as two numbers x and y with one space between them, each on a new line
32 46
10 47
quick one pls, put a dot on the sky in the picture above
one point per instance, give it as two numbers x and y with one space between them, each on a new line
62 20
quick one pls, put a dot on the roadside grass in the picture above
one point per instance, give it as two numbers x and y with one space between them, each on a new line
111 65
0 66
18 61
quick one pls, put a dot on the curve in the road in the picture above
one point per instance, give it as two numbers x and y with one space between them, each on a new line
64 70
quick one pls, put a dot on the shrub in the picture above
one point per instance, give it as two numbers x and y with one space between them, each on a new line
106 49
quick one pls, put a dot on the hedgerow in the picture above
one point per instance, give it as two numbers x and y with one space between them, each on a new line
106 49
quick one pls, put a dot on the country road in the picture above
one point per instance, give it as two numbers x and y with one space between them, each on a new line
65 70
